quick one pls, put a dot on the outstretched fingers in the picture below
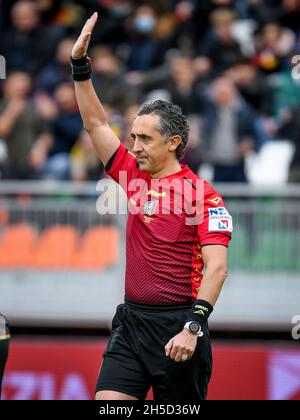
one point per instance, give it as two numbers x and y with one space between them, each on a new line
82 43
89 24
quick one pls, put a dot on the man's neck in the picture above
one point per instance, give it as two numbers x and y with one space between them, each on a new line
167 170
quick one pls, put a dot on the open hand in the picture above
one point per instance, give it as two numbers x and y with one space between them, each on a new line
81 45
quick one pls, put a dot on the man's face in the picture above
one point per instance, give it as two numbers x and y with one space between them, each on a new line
17 85
149 146
25 16
65 97
223 92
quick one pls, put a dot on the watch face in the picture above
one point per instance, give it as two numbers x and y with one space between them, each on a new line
194 327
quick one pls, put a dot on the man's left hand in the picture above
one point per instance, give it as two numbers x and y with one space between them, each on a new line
181 347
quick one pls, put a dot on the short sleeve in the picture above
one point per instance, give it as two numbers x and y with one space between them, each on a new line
122 167
216 226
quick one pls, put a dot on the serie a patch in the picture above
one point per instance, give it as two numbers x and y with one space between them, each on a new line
219 220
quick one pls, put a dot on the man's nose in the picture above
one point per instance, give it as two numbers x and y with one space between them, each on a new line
137 146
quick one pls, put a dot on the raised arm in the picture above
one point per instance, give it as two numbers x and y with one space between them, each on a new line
93 115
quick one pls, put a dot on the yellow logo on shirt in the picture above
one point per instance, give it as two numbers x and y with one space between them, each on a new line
156 193
215 200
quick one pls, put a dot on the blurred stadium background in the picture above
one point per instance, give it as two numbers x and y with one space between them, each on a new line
62 263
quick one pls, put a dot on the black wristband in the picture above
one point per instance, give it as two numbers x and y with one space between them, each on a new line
200 312
81 68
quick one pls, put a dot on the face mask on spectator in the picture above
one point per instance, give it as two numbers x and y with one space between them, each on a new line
144 24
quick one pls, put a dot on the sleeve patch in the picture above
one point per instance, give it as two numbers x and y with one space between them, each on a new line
219 220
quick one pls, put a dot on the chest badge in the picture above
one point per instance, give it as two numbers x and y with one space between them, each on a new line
151 207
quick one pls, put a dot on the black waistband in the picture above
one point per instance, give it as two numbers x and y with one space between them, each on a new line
158 308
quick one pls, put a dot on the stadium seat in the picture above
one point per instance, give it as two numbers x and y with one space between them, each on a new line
98 248
56 246
16 245
260 167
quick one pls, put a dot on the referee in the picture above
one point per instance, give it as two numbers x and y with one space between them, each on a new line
160 335
4 345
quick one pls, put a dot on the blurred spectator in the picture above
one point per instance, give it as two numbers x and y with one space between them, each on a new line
193 155
177 82
144 50
290 129
274 44
28 45
253 86
186 28
182 85
286 88
141 50
264 10
84 162
290 14
287 12
23 129
58 70
116 120
219 50
130 113
108 78
257 91
227 132
194 16
48 10
113 15
286 96
66 128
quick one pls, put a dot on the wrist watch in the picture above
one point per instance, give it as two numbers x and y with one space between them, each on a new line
194 328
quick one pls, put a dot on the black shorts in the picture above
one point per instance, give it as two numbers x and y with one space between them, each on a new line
135 359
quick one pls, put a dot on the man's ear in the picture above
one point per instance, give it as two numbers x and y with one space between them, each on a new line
174 142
